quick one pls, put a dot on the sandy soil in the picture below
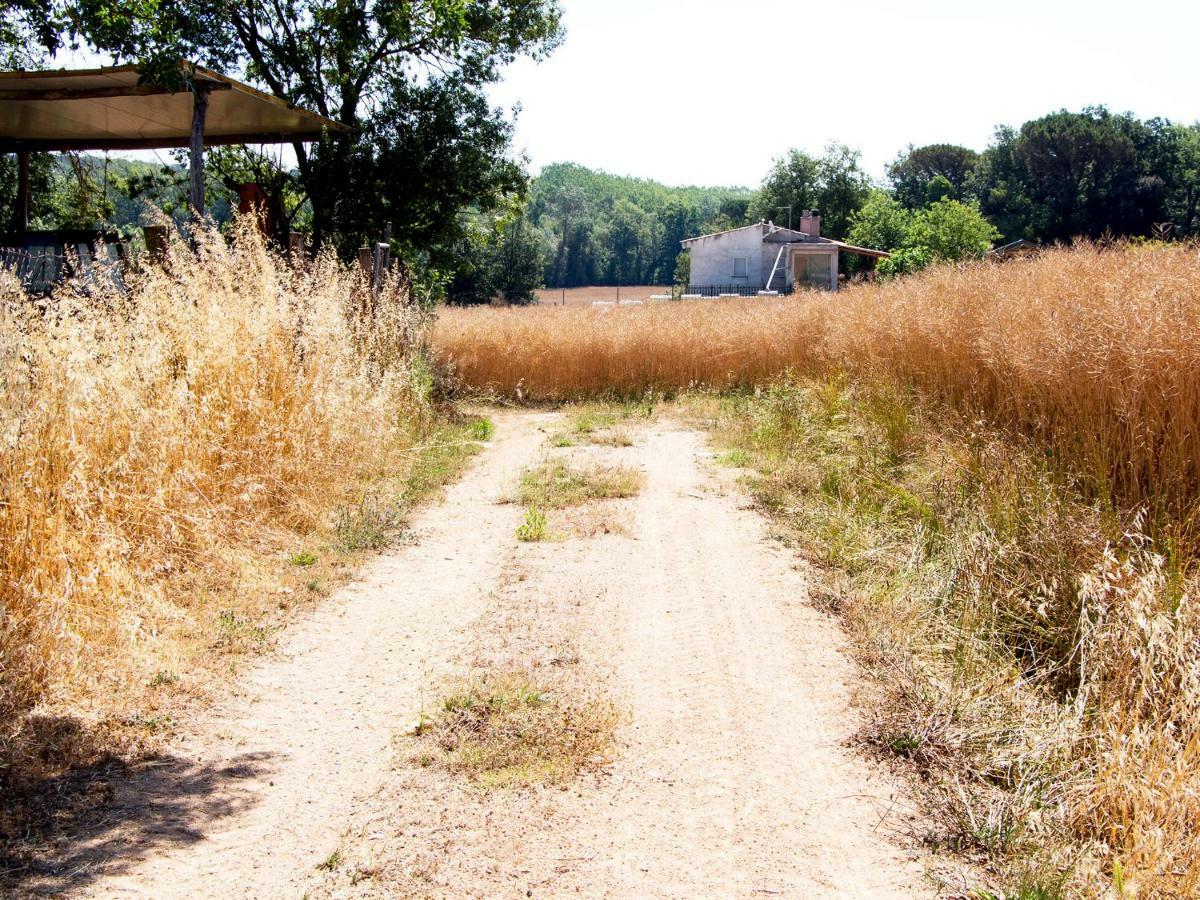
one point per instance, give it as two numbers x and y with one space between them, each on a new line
733 776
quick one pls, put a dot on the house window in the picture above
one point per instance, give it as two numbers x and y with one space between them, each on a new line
741 266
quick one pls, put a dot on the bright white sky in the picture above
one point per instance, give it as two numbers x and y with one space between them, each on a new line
707 92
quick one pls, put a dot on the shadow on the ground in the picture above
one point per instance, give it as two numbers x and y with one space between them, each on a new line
61 832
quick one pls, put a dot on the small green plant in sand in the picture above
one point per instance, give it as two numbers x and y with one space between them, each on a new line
736 458
553 484
481 429
508 729
534 527
593 418
303 559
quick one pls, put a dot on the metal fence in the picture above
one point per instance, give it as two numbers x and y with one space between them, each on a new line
730 290
13 259
40 260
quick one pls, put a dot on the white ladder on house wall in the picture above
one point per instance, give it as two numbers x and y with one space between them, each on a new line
776 268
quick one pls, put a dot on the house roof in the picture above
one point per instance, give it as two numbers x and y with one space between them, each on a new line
109 109
861 251
700 237
779 235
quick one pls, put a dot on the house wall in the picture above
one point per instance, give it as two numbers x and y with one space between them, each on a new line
713 255
712 258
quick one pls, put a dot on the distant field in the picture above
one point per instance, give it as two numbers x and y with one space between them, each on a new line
585 296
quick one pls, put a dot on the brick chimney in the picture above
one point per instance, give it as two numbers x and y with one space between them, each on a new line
810 222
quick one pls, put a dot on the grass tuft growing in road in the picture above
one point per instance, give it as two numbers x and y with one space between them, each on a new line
507 728
600 423
554 484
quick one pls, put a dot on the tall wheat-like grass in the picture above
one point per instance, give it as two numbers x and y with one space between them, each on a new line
1092 350
1040 664
149 438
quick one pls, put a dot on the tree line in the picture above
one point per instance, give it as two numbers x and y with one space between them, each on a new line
1056 178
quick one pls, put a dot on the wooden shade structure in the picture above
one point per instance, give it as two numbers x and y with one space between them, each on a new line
109 109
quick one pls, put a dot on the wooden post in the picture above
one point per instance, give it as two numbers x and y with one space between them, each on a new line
383 257
364 259
196 161
296 245
156 242
21 212
381 263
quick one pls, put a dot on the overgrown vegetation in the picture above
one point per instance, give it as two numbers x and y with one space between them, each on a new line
171 460
1088 350
1036 650
509 728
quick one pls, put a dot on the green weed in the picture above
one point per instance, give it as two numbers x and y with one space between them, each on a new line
481 429
737 458
367 526
534 527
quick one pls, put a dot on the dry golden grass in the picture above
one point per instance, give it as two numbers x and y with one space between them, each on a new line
1093 351
1038 658
163 453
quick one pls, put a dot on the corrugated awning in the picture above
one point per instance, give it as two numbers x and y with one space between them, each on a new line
107 109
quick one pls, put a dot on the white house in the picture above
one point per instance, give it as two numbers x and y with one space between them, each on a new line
766 257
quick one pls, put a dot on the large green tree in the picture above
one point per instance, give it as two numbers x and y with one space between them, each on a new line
882 223
1183 194
833 183
920 175
1067 175
793 182
952 231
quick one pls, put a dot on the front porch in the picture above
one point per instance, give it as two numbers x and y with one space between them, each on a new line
819 265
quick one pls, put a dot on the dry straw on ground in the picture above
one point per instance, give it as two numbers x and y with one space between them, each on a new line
151 444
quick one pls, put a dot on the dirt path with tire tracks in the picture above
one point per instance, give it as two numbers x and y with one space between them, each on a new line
732 777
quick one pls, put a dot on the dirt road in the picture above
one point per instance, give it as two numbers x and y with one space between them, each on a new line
732 777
